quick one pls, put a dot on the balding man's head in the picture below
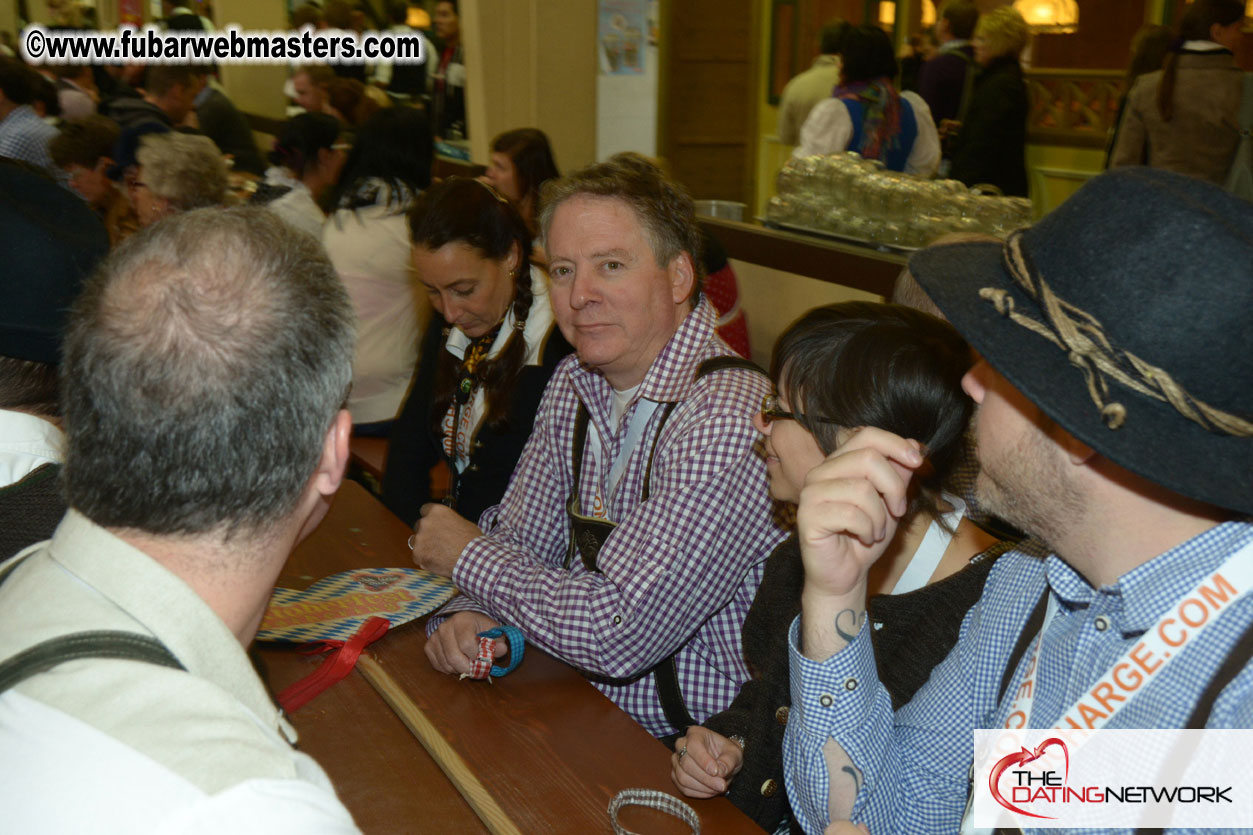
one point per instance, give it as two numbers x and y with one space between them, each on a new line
205 362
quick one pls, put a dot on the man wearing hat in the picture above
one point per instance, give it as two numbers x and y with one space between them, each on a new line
1115 422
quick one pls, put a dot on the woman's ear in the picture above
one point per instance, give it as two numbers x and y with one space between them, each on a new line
514 258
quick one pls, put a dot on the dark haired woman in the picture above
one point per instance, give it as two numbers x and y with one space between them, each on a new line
838 369
865 113
481 377
1186 117
521 162
308 157
367 239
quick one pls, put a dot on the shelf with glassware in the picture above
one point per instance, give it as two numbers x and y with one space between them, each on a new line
847 198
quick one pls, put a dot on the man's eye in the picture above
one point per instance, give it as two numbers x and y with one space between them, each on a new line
613 266
559 272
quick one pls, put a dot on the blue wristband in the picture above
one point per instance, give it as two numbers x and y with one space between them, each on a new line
517 642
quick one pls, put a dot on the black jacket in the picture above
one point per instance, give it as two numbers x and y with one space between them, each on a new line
919 629
415 449
991 145
222 122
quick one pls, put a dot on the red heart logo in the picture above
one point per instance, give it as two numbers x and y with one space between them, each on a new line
1020 758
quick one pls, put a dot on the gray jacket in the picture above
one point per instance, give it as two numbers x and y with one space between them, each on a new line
1202 137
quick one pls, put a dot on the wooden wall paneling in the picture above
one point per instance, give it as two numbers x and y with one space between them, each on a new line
709 113
1103 41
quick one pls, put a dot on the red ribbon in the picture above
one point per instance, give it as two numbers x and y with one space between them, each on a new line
338 664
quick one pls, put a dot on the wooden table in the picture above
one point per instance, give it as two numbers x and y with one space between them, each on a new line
370 454
540 750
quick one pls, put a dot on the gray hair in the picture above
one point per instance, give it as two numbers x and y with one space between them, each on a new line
205 362
185 170
662 206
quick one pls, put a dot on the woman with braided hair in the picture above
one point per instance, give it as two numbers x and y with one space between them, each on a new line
482 374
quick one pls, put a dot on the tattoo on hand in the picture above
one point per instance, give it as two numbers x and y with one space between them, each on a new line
849 616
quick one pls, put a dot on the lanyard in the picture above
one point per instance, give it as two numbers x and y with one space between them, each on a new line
1182 625
635 430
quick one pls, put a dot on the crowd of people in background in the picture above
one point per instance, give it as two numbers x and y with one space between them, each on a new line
804 582
963 85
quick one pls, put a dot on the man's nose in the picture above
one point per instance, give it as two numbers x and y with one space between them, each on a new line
582 290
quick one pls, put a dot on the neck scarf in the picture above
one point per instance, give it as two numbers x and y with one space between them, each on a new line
881 114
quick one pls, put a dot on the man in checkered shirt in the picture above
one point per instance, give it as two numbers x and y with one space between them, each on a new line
670 458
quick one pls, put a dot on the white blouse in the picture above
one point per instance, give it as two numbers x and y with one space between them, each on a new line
828 130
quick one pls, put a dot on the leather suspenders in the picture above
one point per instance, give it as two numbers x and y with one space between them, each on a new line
126 646
588 535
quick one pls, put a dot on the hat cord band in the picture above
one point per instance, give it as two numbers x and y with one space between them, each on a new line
1083 338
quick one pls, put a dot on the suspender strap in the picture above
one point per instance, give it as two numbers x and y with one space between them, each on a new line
648 470
709 366
666 675
125 646
1034 624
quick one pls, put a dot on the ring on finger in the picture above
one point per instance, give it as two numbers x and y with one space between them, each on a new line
410 542
682 753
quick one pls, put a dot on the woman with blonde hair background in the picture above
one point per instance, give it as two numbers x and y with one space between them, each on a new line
990 145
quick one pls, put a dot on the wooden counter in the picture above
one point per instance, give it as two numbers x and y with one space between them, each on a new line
540 750
860 267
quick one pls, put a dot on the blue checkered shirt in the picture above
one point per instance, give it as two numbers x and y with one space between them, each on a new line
24 136
680 570
916 763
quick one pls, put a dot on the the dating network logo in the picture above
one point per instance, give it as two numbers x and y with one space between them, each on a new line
1028 786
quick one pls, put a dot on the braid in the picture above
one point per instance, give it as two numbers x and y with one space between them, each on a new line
445 383
500 373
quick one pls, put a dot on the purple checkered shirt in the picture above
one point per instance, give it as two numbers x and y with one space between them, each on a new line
679 571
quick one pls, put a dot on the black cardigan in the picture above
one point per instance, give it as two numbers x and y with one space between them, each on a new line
991 145
919 629
415 449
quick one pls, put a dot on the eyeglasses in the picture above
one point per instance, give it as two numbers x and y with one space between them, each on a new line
771 412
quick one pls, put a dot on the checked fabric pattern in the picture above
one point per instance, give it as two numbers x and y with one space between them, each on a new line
680 570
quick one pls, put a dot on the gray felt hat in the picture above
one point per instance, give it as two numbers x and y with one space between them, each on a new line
1126 315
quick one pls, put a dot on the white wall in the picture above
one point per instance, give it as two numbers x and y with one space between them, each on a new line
772 300
626 109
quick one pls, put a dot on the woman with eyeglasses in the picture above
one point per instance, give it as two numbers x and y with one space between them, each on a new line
837 370
485 361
